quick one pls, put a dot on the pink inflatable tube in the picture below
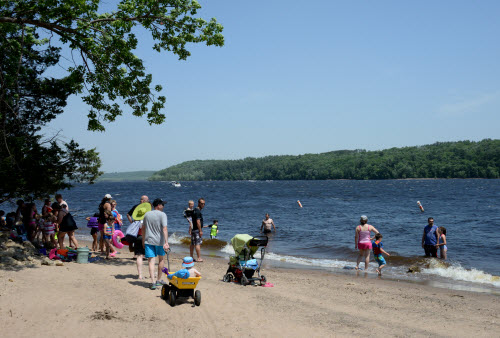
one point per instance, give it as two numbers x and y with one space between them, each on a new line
117 239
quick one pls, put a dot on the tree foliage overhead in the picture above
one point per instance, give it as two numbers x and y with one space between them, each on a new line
104 72
33 166
103 45
463 159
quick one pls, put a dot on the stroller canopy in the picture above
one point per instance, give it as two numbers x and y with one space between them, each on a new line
240 241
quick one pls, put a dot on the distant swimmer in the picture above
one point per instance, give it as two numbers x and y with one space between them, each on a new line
267 223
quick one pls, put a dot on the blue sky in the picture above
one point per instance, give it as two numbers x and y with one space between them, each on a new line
299 77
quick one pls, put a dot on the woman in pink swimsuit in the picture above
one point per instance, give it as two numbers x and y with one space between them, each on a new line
363 240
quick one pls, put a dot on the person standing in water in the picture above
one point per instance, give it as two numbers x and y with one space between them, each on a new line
430 238
267 223
214 229
363 241
442 242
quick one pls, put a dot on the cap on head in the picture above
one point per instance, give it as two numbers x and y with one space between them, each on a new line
364 218
108 196
158 201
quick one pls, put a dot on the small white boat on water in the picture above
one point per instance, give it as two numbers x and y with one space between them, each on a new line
176 184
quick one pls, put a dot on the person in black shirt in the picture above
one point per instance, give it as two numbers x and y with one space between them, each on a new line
144 199
197 231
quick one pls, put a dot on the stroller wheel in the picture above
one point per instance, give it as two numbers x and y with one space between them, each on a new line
244 280
263 279
226 278
197 298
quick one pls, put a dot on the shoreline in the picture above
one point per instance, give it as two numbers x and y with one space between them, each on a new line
346 267
302 302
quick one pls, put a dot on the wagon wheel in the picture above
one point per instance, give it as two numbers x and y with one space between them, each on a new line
164 292
171 298
197 298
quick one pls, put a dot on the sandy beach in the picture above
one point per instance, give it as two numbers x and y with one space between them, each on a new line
105 299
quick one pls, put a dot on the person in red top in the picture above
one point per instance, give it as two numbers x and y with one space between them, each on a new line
46 209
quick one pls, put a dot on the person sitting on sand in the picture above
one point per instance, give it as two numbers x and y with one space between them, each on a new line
378 251
362 240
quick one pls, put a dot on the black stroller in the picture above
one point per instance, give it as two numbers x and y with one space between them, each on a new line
243 265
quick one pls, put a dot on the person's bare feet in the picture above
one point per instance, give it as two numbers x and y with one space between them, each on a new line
199 260
379 272
356 268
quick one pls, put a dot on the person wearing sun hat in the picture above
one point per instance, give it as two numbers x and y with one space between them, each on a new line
188 263
155 239
187 272
133 234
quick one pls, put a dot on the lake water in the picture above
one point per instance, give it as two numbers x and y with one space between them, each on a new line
321 234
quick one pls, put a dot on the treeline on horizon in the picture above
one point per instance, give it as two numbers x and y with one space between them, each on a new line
463 159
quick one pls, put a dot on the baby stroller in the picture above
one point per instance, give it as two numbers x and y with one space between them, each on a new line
243 265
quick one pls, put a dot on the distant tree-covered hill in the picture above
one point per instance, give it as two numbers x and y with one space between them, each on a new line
126 176
464 159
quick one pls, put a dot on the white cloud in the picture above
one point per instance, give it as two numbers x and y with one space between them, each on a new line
470 105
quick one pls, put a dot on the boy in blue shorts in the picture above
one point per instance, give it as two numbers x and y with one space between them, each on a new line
378 251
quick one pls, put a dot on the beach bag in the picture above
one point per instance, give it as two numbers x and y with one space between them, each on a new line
133 229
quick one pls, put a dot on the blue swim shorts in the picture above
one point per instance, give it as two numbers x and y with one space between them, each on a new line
153 250
380 260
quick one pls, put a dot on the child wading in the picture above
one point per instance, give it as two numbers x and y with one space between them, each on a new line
442 242
378 251
214 229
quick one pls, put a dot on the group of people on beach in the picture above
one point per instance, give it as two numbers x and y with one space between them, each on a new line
147 234
48 227
433 239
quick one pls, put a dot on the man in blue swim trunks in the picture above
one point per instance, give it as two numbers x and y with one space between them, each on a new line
155 239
